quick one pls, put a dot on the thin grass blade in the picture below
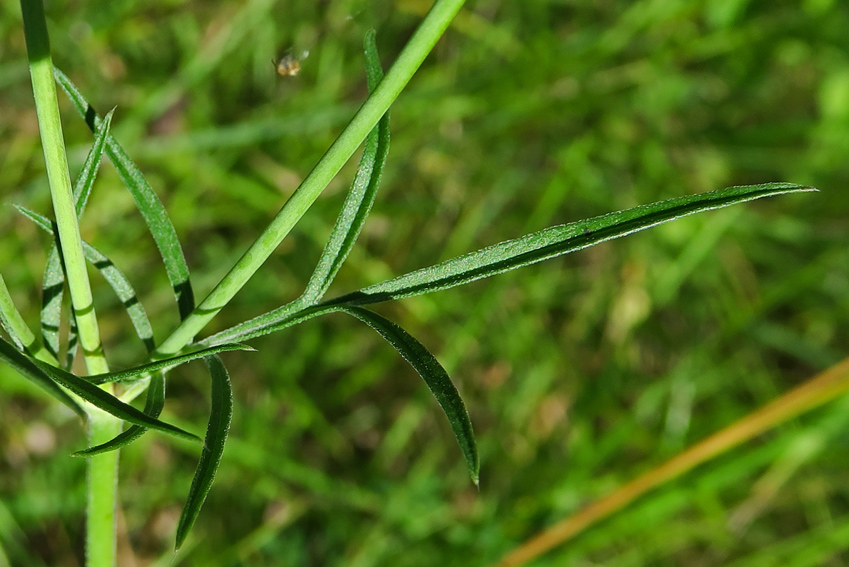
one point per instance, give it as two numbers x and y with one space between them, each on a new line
434 376
556 241
109 403
150 368
30 370
113 276
360 197
213 448
148 203
153 407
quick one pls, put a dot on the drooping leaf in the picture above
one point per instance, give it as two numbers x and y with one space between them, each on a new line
555 241
360 197
434 376
114 277
213 448
30 370
153 407
151 367
53 281
148 203
109 403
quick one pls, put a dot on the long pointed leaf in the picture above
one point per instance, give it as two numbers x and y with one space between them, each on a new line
360 197
148 203
555 241
53 281
28 369
150 368
213 448
109 403
434 376
113 276
269 323
153 407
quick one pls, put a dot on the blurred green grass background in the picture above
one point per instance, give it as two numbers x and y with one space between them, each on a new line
579 373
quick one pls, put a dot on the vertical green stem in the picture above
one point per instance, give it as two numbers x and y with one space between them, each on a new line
102 469
408 62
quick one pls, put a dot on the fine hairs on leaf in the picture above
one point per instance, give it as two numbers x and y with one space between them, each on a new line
149 205
221 413
31 371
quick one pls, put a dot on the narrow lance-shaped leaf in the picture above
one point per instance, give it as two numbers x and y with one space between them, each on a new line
153 406
213 448
268 323
434 376
555 241
138 371
114 277
148 203
360 197
53 281
109 403
29 370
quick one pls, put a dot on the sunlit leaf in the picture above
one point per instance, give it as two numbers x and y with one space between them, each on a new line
30 370
153 407
138 371
216 435
434 376
360 197
555 241
148 203
109 403
113 276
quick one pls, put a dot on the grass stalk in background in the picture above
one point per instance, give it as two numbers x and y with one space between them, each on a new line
102 471
821 389
409 60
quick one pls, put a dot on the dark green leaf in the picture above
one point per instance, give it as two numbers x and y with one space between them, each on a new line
360 197
109 403
150 368
152 408
555 241
213 448
113 276
276 320
30 370
434 376
146 200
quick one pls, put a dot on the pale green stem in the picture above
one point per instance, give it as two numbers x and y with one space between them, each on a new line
102 470
411 57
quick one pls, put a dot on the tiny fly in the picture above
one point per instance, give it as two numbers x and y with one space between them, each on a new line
289 65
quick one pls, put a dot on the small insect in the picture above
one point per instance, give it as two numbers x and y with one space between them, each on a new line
289 65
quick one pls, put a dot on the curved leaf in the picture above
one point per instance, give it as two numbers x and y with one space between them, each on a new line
213 448
30 370
109 403
434 376
113 276
151 367
281 318
153 407
360 197
555 241
146 200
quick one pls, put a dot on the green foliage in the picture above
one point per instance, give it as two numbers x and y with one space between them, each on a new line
515 130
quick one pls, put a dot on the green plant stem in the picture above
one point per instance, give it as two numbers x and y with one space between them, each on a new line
103 469
409 60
